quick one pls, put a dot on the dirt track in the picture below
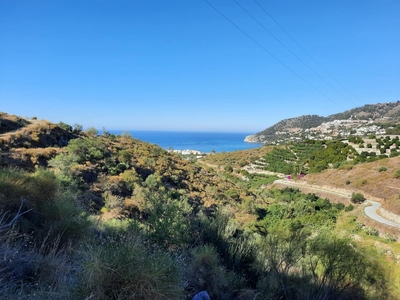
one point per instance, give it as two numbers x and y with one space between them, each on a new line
341 195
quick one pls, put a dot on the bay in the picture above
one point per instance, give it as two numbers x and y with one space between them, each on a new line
200 141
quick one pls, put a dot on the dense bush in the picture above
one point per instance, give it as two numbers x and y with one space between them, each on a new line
295 266
382 169
357 198
228 168
207 273
35 188
120 266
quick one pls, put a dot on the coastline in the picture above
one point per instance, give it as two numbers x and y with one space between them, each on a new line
202 142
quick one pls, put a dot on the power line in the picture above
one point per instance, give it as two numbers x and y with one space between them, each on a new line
306 51
312 70
263 48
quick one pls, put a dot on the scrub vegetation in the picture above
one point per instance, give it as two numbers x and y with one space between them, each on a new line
111 217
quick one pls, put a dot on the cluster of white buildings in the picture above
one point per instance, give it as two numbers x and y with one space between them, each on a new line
187 152
328 130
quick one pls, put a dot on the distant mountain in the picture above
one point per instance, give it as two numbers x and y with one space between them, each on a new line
367 119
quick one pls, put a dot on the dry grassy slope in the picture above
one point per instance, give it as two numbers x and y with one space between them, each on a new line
36 134
366 178
11 122
235 158
33 143
29 143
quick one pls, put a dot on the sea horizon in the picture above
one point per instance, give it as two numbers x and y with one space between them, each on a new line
202 141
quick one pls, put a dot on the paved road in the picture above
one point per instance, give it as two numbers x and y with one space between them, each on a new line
370 211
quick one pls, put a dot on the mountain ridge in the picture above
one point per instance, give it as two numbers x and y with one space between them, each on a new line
339 124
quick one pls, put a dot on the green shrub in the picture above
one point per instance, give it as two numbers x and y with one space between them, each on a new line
77 128
349 208
32 269
382 169
63 220
36 188
357 198
390 237
87 149
394 153
125 156
397 174
91 131
297 267
168 221
348 182
130 178
228 168
371 231
112 201
122 267
233 194
206 272
65 126
346 165
339 206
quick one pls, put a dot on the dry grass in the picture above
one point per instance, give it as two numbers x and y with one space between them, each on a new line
11 122
367 179
237 158
33 271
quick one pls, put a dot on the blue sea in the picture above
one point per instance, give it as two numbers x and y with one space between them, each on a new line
201 141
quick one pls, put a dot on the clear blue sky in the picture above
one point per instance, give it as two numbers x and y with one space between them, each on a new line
179 65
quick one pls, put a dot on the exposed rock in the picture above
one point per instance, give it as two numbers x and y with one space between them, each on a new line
254 138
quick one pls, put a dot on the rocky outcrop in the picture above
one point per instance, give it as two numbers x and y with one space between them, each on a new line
254 139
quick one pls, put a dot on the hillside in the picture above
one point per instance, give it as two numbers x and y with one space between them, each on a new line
377 179
369 119
11 122
84 215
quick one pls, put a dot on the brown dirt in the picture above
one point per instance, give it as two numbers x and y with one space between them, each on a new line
366 179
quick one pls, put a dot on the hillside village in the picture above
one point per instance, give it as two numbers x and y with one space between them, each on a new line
376 120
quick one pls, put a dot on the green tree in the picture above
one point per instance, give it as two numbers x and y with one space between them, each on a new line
125 156
336 266
357 198
168 220
86 149
91 131
65 126
77 128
